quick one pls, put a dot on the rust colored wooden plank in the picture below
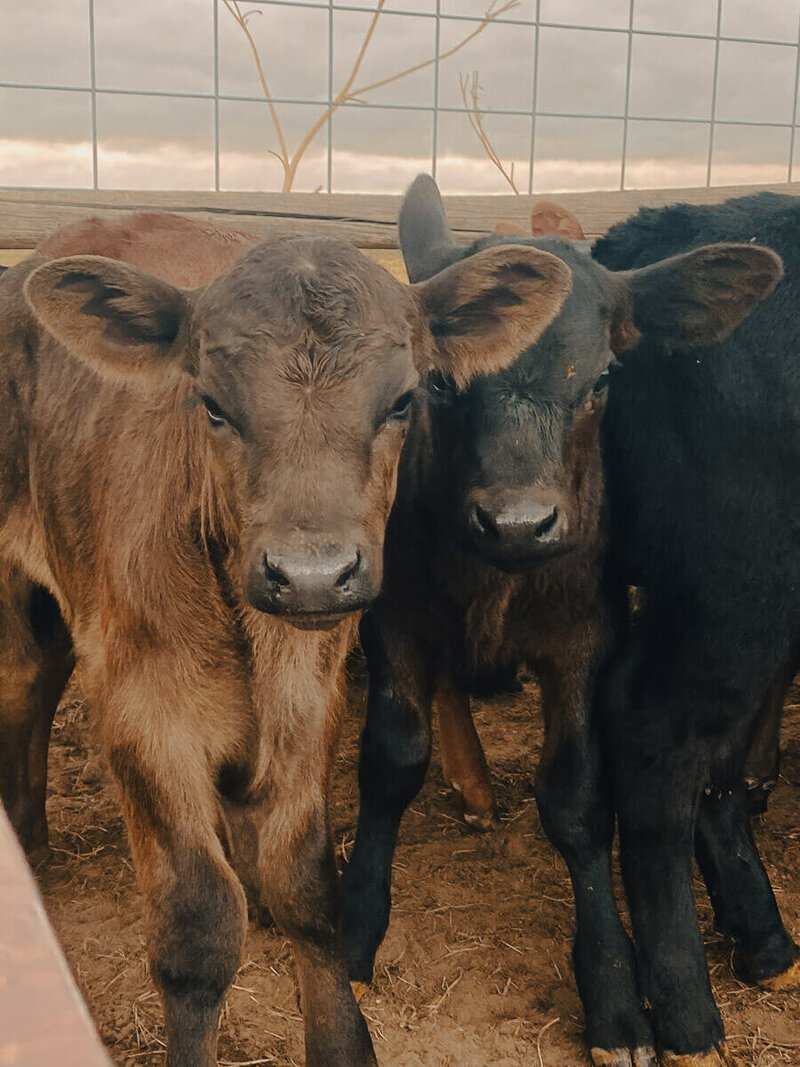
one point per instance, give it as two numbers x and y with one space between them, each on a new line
43 1019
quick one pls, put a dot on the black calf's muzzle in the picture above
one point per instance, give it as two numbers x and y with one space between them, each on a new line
515 528
311 583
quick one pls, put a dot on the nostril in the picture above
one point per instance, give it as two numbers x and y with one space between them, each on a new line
547 525
484 521
275 574
350 571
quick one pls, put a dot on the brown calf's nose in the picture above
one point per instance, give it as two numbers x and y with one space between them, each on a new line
319 582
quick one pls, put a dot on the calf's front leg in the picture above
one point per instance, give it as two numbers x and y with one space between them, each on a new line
280 838
160 732
576 812
395 752
301 889
763 763
463 760
744 904
195 906
656 721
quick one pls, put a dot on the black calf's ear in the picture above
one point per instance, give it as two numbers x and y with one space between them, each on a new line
424 233
484 311
119 319
701 296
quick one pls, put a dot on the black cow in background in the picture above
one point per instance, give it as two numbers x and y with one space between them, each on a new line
494 557
702 456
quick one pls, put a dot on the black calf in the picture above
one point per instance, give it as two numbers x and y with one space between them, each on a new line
494 557
702 450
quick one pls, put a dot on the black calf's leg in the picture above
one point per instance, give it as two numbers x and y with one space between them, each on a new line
395 752
740 892
744 903
576 814
654 730
764 756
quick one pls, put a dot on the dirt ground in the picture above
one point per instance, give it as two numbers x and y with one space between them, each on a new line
475 968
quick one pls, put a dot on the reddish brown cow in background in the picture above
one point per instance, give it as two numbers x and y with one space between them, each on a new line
178 469
173 247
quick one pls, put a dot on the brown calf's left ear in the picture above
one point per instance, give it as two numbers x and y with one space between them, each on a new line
485 310
119 319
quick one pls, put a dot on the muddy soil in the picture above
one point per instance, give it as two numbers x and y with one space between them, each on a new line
475 969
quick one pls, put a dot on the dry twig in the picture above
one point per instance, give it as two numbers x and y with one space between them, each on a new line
347 94
470 94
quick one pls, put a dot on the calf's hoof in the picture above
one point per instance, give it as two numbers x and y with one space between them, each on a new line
624 1057
757 795
476 805
788 979
482 822
717 1057
776 968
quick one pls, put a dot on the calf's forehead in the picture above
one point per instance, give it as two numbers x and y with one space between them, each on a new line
575 347
292 288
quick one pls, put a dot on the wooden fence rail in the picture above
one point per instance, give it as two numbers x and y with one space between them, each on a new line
27 216
43 1019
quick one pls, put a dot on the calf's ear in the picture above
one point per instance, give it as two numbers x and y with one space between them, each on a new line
549 217
423 229
699 297
484 311
119 319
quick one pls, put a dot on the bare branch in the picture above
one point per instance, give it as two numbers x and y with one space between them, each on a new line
344 92
347 94
470 94
492 13
235 10
338 99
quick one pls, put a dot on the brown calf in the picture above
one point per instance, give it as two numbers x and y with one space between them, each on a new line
194 486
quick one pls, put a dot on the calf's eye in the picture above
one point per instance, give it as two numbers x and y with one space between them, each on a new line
439 383
401 407
216 416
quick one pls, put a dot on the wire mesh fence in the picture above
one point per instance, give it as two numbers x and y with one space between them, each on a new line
637 93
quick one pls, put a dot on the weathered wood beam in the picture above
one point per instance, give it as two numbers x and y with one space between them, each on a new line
43 1019
28 215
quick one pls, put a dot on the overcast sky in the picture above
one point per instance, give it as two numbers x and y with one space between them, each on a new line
151 46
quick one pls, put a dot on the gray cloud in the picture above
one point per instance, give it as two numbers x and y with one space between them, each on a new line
168 45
